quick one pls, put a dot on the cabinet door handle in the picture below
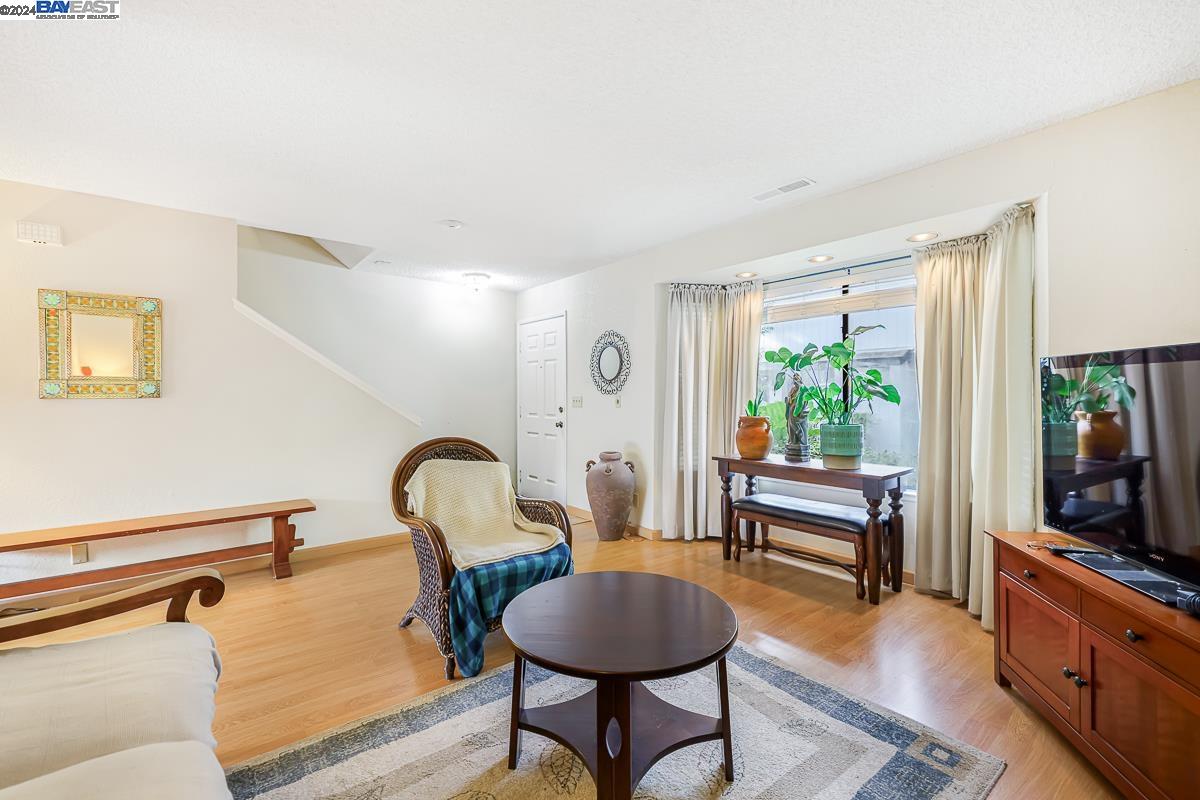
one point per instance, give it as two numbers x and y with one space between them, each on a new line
1030 574
1068 672
1080 682
1133 636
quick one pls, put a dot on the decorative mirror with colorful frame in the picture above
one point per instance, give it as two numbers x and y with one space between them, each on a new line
99 346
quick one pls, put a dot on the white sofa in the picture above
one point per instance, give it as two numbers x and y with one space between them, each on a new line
124 716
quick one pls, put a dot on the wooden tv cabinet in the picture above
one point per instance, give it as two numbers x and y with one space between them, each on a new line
1117 673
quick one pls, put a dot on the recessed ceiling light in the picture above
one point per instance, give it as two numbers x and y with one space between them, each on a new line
746 275
476 280
820 259
452 224
923 237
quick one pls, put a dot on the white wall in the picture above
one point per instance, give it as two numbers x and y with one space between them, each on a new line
244 417
1122 253
442 353
594 304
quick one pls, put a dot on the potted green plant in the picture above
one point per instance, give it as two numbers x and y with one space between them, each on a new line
1083 404
753 437
1060 442
834 406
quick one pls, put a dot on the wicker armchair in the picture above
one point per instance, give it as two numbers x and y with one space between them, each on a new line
434 566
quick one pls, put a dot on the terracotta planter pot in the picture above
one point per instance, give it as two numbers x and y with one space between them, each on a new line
754 437
1100 436
610 486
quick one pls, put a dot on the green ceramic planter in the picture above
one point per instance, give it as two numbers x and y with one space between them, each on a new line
841 446
1060 444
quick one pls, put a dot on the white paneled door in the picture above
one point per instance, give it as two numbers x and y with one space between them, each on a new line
541 408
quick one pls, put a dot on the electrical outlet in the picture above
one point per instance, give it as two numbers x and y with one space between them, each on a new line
577 401
79 553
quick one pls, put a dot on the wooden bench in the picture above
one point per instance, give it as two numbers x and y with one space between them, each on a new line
844 523
283 542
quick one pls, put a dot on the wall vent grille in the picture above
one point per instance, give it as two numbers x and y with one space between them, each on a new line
39 233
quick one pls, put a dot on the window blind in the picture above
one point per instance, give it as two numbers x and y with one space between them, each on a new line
796 307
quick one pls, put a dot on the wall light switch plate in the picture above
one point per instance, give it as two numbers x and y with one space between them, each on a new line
79 553
577 401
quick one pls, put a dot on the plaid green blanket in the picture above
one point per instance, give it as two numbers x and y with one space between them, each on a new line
482 593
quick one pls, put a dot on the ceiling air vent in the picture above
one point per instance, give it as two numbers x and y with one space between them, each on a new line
787 187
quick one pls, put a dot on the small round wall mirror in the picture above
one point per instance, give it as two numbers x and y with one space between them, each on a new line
610 362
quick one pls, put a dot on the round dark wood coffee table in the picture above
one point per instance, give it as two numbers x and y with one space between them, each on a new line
619 629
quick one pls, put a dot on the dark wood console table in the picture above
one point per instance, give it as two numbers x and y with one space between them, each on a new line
875 481
1085 473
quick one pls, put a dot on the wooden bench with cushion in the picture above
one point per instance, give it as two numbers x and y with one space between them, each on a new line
833 521
283 542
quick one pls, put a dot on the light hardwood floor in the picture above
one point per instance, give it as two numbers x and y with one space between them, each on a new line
321 649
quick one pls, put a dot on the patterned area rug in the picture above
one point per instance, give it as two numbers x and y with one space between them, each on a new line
793 738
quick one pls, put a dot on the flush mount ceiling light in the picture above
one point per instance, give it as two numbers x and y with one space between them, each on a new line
452 224
820 259
923 237
476 280
746 275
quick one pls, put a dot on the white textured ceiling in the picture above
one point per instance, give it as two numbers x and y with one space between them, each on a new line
564 134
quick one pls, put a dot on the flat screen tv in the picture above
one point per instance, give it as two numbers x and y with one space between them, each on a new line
1121 455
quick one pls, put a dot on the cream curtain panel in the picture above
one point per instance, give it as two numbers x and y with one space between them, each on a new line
711 371
976 376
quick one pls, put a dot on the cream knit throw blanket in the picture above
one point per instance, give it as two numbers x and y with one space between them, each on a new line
474 504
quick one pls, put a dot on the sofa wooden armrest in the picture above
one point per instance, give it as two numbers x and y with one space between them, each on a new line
177 588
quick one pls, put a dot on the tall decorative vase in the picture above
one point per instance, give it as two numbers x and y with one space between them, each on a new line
797 449
841 446
753 438
610 486
1100 436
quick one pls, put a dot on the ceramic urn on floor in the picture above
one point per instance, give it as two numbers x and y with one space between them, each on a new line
610 486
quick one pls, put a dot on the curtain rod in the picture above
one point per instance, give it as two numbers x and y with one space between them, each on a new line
837 270
858 266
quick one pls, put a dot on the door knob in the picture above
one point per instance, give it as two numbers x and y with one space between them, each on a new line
1132 636
1080 682
558 424
1030 574
1068 672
